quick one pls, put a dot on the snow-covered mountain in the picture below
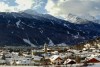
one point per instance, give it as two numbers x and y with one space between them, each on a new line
83 19
18 29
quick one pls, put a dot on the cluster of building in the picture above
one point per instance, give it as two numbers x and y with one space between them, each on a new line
52 56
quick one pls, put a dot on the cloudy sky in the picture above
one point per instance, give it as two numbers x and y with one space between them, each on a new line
53 7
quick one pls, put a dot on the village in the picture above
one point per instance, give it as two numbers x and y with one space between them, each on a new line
51 56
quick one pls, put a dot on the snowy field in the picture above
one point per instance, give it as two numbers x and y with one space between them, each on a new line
74 65
21 66
95 65
45 66
42 66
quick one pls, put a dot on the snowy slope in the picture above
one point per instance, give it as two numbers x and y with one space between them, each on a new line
83 19
18 29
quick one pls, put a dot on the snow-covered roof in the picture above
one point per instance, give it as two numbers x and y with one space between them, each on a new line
92 48
47 49
18 58
68 60
89 58
84 48
37 58
2 61
54 57
55 52
23 62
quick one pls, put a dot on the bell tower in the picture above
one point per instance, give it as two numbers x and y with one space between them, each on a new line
45 48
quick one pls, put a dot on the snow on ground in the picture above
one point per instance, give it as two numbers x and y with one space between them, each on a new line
18 23
95 65
21 66
28 42
50 42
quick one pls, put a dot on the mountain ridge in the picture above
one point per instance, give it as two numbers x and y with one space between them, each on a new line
35 30
82 19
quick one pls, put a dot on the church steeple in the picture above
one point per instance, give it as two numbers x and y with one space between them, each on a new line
45 48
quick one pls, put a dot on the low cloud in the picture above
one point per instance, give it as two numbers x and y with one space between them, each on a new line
78 7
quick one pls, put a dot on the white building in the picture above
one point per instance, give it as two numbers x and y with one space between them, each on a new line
56 59
18 61
69 61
